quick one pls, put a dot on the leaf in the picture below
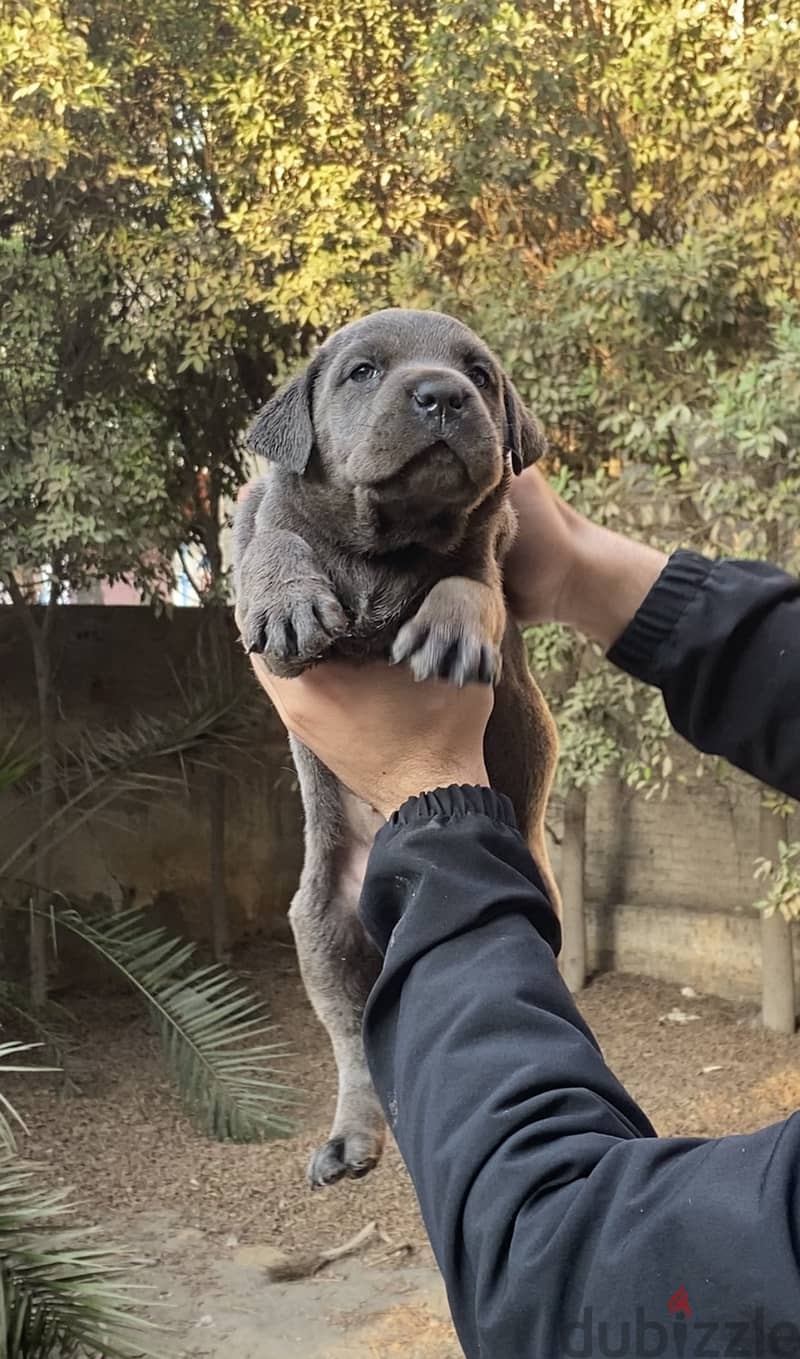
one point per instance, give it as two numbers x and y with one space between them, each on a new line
208 1025
62 1295
8 1114
48 1025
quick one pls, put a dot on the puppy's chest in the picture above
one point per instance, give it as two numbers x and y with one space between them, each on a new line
379 597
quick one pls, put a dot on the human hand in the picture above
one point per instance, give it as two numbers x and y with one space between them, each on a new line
384 735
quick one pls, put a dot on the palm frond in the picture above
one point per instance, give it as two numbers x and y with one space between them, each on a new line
61 1296
119 761
15 762
8 1114
49 1025
208 1023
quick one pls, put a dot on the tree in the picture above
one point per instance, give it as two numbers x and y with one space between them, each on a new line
82 492
242 175
607 192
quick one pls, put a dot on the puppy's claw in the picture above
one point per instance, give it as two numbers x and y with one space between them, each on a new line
490 665
330 616
438 653
256 642
410 639
297 631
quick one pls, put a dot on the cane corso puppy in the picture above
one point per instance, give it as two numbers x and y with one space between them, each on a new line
380 530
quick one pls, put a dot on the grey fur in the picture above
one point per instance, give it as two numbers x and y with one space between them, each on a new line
380 530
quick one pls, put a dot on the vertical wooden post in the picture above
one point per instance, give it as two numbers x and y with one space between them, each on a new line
573 859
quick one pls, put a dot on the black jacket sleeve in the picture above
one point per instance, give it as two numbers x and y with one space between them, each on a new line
562 1225
722 642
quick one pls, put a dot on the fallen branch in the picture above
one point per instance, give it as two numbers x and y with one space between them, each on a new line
306 1266
404 1248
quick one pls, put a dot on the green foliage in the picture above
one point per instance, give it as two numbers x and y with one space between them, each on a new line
145 758
207 1021
49 1026
60 1294
15 762
9 1117
781 879
194 196
82 475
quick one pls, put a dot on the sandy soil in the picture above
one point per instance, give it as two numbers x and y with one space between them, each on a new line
208 1218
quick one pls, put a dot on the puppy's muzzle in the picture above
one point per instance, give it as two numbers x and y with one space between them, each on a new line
439 401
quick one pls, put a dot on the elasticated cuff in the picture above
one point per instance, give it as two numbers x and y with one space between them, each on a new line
638 650
457 800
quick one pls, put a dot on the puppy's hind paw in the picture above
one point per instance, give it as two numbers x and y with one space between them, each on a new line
351 1156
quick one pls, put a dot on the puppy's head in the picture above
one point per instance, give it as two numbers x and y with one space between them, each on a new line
409 421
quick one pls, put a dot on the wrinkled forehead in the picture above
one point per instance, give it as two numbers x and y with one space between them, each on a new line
400 336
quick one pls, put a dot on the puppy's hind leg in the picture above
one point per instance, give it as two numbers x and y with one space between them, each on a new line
338 963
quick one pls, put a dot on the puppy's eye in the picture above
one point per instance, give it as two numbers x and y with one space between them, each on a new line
362 372
479 376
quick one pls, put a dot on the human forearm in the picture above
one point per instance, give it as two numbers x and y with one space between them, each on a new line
564 568
610 578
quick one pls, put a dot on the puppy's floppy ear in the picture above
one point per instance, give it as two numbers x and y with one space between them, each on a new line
283 430
523 436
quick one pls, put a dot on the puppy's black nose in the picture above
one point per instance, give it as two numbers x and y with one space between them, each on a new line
439 397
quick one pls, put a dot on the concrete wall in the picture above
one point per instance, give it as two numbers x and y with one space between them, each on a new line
669 884
113 662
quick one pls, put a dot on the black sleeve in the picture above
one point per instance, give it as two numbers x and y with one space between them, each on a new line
722 642
562 1225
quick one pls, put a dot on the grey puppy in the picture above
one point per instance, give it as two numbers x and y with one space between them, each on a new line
380 530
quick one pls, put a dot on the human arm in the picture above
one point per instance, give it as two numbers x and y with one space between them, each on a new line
720 639
549 1202
547 1198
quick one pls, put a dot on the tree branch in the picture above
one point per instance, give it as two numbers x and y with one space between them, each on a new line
189 575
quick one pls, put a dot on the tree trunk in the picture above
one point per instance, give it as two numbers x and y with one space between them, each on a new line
37 943
778 1007
220 927
573 853
39 635
220 658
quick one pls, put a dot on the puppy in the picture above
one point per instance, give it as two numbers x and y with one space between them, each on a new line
380 530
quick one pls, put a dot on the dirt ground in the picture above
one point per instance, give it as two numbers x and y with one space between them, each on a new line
208 1218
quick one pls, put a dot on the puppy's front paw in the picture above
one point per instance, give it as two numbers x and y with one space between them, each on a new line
443 650
296 627
455 634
